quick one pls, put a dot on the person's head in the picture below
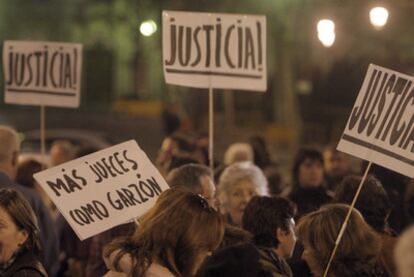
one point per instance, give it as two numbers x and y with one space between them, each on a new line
373 201
61 152
9 151
307 169
337 164
18 225
357 252
196 178
238 152
178 232
25 172
404 253
237 185
270 220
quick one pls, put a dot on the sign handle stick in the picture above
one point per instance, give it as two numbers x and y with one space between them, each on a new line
42 133
211 128
137 222
348 215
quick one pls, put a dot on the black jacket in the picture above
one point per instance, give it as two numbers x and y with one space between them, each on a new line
25 265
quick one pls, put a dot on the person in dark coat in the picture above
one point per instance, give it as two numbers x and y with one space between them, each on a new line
9 152
308 190
270 221
19 237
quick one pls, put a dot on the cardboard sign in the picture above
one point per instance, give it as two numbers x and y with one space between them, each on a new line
42 73
381 126
214 50
104 189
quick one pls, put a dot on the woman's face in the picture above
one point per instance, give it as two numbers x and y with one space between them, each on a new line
10 237
239 195
310 174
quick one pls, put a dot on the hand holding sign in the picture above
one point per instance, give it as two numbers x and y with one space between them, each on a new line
104 189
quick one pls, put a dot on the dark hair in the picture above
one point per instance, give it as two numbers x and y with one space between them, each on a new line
25 171
174 232
188 176
260 152
301 156
235 235
241 260
22 215
178 160
263 215
373 201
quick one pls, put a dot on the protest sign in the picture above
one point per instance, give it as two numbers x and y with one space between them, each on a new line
380 128
210 50
42 73
104 189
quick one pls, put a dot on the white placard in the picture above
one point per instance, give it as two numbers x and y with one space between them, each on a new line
380 128
42 73
214 50
104 189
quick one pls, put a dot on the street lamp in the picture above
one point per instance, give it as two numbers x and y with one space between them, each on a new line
148 28
378 17
326 32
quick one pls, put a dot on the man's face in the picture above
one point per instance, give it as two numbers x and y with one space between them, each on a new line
208 190
337 163
287 240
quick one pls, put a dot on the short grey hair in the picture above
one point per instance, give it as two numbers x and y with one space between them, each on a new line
236 173
404 254
9 143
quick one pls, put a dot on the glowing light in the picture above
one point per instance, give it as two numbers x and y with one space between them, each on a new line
378 17
148 28
326 32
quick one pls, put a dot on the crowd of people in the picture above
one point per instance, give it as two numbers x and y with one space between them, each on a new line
239 219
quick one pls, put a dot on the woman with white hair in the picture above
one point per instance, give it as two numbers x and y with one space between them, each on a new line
237 185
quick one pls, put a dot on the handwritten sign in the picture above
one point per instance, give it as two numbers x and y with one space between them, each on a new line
381 125
215 50
104 189
42 73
